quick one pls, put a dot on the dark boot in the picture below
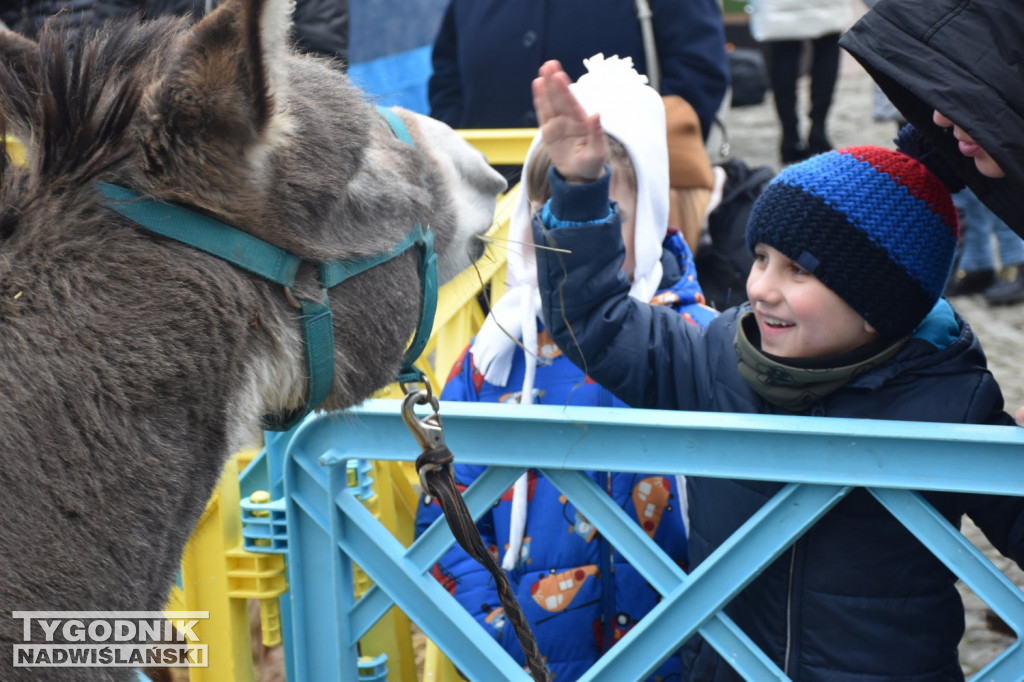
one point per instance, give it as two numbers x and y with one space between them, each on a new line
967 282
1007 291
824 72
783 68
818 141
792 151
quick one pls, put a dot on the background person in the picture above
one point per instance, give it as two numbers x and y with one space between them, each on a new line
786 29
487 52
961 60
978 266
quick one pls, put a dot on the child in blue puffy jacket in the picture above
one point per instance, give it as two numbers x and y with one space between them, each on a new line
578 594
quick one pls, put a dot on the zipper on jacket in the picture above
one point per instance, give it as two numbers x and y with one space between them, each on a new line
606 563
789 610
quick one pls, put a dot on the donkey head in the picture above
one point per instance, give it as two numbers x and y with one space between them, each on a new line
224 118
237 125
133 364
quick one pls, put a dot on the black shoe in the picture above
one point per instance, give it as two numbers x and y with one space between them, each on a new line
817 140
792 153
1007 291
966 282
819 145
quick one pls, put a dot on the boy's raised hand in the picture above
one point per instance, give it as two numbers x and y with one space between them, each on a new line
574 140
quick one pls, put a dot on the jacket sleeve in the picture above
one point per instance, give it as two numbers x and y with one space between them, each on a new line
647 356
445 86
690 40
1000 517
321 27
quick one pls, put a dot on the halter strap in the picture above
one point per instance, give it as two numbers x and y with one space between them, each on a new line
272 263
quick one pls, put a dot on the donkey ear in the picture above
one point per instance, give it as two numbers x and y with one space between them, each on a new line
225 88
16 51
19 67
244 41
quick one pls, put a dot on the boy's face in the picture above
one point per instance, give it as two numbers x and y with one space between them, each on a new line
797 315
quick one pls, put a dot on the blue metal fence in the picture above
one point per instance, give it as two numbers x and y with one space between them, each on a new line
820 459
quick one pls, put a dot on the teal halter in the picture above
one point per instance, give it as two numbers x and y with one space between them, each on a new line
279 266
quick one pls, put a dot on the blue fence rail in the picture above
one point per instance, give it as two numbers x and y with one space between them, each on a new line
819 459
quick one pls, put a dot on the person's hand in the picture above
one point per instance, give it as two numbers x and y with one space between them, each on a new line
1020 415
574 140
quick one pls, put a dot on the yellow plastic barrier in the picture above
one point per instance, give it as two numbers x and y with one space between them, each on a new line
220 577
213 569
501 146
390 503
15 150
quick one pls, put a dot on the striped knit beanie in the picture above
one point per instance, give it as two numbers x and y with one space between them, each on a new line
874 225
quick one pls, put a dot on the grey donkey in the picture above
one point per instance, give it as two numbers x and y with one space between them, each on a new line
133 365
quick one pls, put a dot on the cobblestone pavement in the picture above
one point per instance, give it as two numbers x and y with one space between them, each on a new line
753 136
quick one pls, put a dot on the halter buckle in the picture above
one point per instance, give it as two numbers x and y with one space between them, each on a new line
290 297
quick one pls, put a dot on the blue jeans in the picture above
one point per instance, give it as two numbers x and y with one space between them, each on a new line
978 226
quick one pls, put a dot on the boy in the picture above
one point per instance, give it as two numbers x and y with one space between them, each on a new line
852 249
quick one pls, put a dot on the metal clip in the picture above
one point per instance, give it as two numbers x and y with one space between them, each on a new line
426 430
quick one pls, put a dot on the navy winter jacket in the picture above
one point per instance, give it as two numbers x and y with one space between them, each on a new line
858 597
320 26
487 53
28 16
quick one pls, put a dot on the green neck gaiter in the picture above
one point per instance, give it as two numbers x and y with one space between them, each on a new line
797 388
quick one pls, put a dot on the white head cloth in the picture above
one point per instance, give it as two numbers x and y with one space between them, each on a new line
633 113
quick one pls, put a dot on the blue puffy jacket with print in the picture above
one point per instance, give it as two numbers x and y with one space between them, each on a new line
578 594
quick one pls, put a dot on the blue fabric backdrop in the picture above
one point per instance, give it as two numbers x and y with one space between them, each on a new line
389 49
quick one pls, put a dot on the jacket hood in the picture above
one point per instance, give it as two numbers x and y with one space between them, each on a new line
942 344
963 59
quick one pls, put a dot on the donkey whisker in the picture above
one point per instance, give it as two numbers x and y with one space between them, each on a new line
506 241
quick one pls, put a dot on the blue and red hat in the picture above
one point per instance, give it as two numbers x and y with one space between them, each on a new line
876 226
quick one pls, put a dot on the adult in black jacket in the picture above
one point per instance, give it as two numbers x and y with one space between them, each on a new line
320 26
488 51
962 59
28 16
